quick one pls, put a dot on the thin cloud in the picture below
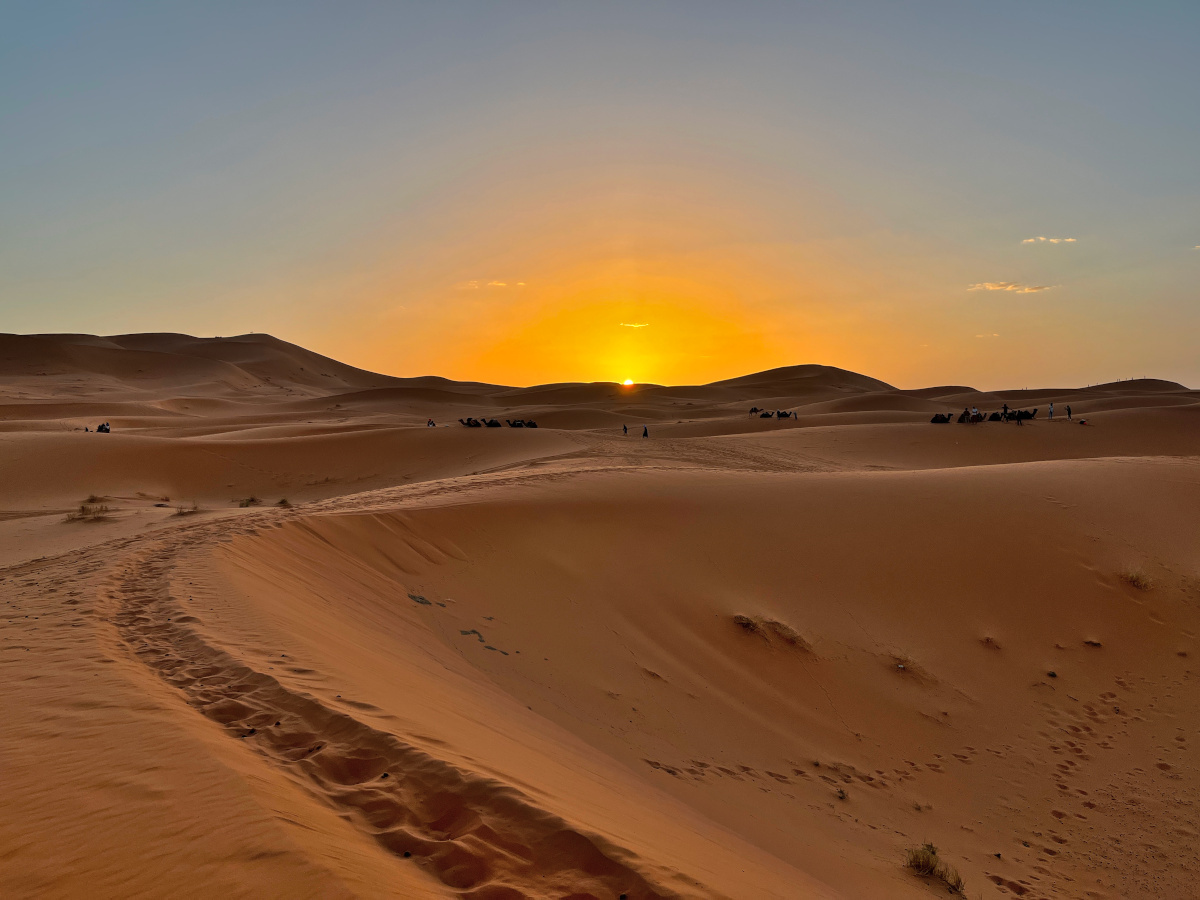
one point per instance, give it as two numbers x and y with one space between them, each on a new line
993 334
634 324
1014 286
497 284
467 286
1048 240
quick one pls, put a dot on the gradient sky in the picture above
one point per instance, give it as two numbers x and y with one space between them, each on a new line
503 191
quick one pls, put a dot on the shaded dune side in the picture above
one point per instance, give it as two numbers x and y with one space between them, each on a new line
479 837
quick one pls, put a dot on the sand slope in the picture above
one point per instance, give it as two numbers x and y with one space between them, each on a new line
744 658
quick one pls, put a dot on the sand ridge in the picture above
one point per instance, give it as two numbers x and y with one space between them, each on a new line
743 658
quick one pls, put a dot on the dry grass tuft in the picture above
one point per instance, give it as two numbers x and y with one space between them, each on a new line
285 503
90 512
772 629
187 510
924 861
249 501
1138 579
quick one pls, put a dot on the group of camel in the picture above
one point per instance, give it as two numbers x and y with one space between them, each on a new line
966 417
767 414
495 423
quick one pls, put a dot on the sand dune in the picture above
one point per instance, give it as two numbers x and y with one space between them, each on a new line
742 658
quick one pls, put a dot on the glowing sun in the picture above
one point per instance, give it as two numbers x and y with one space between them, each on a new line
627 382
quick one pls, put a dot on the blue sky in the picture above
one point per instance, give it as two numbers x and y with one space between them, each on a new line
447 187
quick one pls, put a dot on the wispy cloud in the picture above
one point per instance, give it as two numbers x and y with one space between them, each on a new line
1014 286
1047 240
634 324
475 284
993 334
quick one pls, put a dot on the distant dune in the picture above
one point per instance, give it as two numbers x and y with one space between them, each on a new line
274 636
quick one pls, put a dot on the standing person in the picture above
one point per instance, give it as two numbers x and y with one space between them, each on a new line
1005 414
645 431
1052 410
1068 413
625 428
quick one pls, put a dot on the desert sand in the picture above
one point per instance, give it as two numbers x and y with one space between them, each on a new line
299 644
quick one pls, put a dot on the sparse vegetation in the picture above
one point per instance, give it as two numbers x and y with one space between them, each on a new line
249 501
1138 579
772 628
187 510
285 503
924 861
90 512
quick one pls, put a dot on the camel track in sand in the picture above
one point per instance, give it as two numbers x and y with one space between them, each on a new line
478 836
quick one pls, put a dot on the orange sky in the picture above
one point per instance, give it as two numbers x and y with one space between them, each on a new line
489 192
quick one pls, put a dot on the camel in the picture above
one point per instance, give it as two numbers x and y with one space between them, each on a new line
520 423
470 423
941 419
492 423
765 414
754 410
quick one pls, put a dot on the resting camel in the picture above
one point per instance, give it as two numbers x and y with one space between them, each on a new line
766 414
471 423
520 423
492 423
941 419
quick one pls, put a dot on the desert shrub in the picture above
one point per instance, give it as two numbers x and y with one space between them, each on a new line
771 628
1138 579
249 501
285 503
186 510
924 861
89 512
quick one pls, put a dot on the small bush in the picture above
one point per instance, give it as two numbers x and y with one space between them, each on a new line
285 503
772 628
924 861
186 510
89 512
1138 579
249 501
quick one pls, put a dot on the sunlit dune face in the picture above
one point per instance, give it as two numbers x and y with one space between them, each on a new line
628 382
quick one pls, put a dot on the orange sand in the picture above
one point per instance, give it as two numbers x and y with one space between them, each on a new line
745 658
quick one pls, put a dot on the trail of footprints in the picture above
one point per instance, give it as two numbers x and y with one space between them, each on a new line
478 836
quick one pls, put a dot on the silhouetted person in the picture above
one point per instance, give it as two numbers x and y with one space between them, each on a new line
645 431
1005 413
625 428
1068 413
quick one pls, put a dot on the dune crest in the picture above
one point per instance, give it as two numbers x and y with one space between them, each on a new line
276 635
